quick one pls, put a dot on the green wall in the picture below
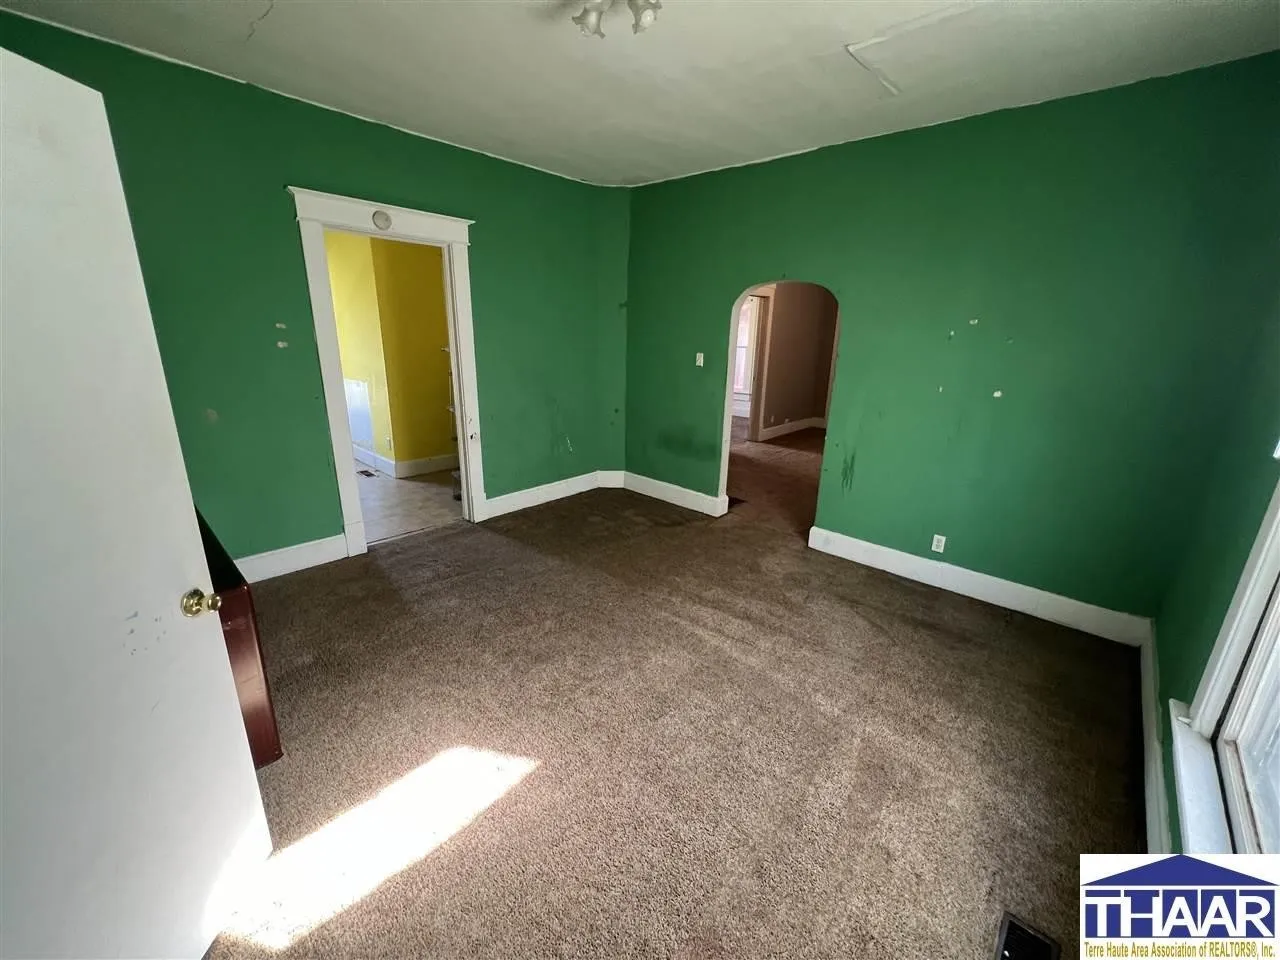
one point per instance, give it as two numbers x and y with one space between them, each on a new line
1118 253
1106 262
1244 477
205 162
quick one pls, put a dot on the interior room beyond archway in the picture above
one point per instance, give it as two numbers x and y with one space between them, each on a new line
780 376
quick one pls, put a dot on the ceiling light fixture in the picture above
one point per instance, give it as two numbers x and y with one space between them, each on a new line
590 20
645 12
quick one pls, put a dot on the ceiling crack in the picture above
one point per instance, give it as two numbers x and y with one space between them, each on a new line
253 26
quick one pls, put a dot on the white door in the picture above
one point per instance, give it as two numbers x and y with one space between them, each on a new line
129 800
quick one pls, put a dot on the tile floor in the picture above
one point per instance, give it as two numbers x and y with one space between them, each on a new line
392 507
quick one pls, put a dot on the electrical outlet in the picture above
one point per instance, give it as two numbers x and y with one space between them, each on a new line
939 543
697 361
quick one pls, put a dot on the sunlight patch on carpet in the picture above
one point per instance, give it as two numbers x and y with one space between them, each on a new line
327 871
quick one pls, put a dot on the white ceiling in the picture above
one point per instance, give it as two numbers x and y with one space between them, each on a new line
715 82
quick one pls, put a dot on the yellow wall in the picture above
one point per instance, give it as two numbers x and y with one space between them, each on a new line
389 302
415 333
355 307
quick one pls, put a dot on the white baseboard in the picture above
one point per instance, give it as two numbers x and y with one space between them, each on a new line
781 429
1099 621
404 468
415 468
611 479
615 479
377 461
275 563
532 497
1159 839
680 496
1110 624
741 406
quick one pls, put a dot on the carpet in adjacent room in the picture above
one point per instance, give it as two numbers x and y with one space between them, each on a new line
776 481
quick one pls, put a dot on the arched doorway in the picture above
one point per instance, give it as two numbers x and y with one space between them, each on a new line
781 366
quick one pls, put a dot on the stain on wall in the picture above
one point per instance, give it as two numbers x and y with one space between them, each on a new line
848 469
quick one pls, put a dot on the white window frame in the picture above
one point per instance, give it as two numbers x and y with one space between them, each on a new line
1203 812
750 347
1240 724
320 211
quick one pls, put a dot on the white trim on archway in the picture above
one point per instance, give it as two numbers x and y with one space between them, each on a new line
766 291
726 428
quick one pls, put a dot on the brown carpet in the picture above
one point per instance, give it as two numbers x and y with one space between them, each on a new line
777 480
744 748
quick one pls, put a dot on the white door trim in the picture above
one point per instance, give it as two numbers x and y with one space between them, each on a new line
1248 604
764 342
316 211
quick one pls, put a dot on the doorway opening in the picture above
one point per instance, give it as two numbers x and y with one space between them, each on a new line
322 213
781 367
390 310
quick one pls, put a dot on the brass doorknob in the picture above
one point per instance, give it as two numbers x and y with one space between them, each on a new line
196 602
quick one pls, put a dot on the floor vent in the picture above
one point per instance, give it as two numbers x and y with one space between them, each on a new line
1021 941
